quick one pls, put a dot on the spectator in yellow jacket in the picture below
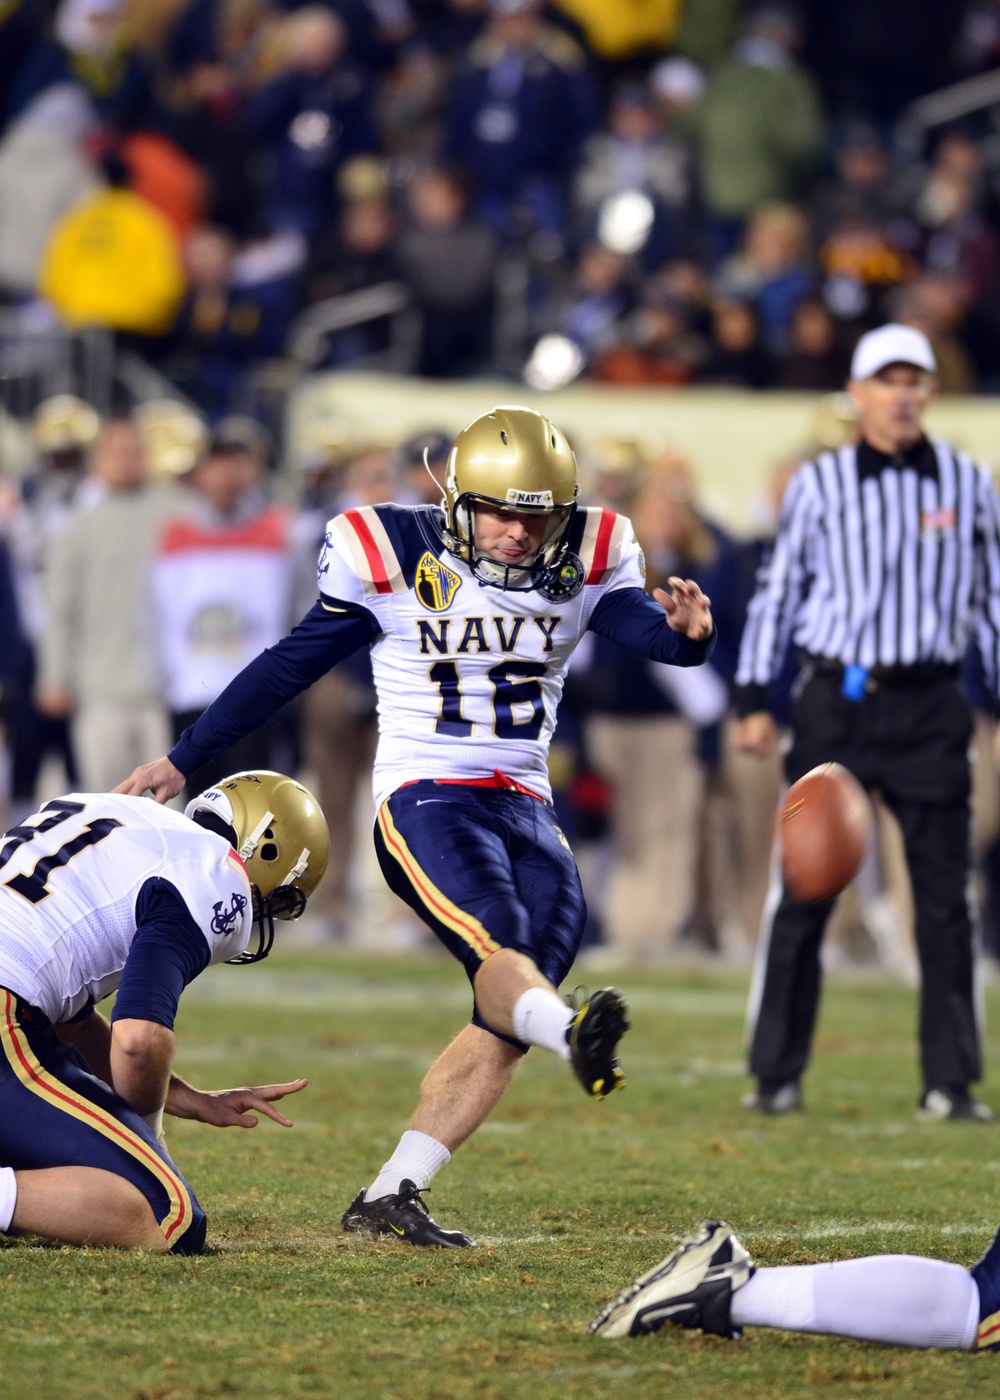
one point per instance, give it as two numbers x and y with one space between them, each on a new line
112 260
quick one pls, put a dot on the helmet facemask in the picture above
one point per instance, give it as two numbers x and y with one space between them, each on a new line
514 578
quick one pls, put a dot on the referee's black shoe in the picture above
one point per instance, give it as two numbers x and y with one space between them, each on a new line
953 1106
598 1025
774 1098
403 1215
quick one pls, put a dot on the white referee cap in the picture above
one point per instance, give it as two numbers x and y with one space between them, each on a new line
892 345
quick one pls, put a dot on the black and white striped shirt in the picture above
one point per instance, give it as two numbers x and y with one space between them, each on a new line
878 561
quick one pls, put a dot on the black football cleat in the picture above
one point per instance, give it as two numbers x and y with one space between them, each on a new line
693 1287
403 1215
775 1100
593 1035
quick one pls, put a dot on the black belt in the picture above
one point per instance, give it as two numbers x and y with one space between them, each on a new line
886 677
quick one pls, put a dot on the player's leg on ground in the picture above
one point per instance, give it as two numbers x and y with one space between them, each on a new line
901 1299
87 1206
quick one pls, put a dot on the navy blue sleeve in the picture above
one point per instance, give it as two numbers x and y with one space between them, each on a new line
636 621
329 633
168 951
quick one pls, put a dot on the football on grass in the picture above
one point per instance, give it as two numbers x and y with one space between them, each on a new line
824 823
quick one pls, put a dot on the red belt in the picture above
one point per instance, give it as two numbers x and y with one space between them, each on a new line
498 780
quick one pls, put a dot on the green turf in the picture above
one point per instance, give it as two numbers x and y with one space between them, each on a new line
567 1197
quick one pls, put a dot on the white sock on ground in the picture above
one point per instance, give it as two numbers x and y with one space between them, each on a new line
542 1018
897 1298
8 1197
417 1158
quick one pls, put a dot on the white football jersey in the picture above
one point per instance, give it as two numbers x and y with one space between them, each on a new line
70 876
468 676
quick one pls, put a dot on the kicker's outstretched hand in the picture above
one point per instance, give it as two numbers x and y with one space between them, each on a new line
687 608
159 778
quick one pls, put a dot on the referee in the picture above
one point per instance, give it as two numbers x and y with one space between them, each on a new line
886 565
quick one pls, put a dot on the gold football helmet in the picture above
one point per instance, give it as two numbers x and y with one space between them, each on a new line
64 423
281 837
174 435
513 459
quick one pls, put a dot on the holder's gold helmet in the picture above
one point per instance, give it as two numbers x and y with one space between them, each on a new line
280 835
511 459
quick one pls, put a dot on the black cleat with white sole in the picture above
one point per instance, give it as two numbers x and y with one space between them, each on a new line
598 1025
403 1215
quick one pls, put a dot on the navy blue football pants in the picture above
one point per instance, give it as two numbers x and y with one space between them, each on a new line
55 1113
485 868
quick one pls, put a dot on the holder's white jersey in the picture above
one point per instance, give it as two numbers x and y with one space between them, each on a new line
70 876
468 676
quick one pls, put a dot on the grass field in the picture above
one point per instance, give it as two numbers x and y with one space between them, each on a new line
567 1197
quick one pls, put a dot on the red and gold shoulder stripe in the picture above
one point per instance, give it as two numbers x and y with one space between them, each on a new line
377 564
604 537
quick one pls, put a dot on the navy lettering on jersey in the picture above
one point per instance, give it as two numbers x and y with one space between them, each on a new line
430 638
508 641
547 627
474 632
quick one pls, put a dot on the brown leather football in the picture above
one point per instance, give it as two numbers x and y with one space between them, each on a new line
824 824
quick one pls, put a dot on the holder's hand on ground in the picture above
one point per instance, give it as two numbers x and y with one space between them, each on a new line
756 734
228 1108
159 778
687 608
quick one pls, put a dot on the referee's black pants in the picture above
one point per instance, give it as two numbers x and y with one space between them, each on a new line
909 740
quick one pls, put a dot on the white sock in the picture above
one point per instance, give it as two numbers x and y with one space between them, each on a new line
897 1298
542 1018
8 1197
417 1158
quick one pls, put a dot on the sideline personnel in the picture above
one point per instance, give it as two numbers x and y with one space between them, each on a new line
886 565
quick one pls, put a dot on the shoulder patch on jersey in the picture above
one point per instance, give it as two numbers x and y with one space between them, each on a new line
601 542
435 584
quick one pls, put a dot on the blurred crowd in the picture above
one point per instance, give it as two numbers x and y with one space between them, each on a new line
145 560
673 192
644 192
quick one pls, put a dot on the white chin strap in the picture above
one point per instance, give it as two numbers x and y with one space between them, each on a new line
250 844
299 868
